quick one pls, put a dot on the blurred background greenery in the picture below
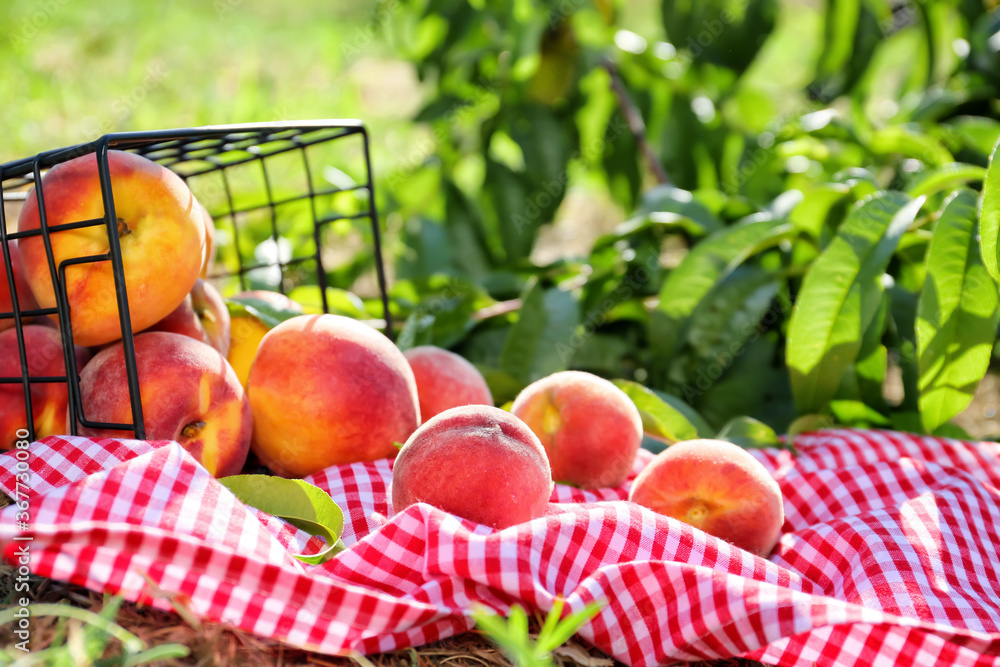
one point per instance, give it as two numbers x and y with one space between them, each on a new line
638 189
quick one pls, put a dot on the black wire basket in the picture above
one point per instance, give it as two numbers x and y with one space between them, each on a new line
293 180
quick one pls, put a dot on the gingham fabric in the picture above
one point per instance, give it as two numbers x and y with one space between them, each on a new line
889 555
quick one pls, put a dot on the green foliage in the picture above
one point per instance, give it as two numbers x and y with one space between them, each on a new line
660 419
809 247
749 433
512 636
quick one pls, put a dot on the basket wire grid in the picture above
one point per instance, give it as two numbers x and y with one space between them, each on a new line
240 173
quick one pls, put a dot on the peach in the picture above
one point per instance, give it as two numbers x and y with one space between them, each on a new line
208 262
477 462
49 400
160 230
715 486
202 315
327 390
246 331
445 380
189 393
25 299
590 428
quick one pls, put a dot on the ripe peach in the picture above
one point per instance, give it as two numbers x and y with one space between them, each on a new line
202 315
326 390
189 393
49 400
445 380
715 486
161 234
25 299
208 262
590 428
246 331
478 462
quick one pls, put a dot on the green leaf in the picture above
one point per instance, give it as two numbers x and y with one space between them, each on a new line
720 392
989 216
856 413
554 636
270 315
338 301
443 307
902 330
731 313
873 357
946 178
807 424
700 424
956 315
503 387
720 32
841 24
541 342
705 265
416 331
602 354
897 139
811 213
840 295
300 503
670 206
512 636
749 433
546 142
428 249
659 419
976 133
955 431
907 422
510 204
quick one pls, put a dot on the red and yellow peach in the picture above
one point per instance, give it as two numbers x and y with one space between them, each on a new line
715 486
445 380
327 390
590 428
189 393
160 231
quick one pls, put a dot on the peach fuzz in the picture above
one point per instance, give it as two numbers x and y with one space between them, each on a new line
189 393
160 230
445 380
715 486
590 428
327 390
477 462
49 400
246 331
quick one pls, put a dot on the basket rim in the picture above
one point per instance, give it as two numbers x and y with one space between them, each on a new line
134 138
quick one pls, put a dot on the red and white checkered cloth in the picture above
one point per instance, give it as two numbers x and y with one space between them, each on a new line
889 554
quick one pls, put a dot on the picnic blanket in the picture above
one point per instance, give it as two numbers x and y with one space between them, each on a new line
889 554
